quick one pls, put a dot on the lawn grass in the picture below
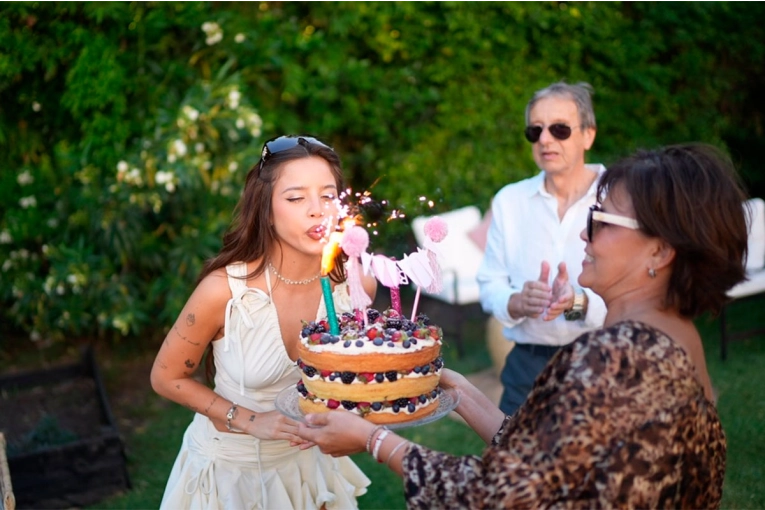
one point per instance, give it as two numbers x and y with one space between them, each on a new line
153 444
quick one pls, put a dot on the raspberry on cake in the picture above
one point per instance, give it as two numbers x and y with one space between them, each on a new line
387 371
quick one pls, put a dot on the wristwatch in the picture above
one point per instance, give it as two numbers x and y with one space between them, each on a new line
578 310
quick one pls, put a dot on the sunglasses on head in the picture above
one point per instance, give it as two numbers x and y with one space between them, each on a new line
287 142
559 131
596 215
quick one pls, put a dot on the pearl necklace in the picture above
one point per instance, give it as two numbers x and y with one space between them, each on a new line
292 282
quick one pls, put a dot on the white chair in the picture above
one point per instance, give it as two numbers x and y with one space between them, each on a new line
460 260
755 272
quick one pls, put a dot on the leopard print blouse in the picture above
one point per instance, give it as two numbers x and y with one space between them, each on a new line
615 420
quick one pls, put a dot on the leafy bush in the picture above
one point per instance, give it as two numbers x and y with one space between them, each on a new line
127 128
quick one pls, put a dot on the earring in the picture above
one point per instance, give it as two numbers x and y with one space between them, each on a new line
652 273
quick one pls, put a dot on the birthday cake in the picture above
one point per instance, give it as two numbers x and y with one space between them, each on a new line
387 371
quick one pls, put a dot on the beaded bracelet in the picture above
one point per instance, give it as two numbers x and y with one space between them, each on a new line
230 416
378 444
372 435
394 450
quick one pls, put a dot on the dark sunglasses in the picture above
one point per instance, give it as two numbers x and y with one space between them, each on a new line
596 215
559 131
287 142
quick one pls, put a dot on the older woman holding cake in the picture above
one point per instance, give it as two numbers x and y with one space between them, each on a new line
624 416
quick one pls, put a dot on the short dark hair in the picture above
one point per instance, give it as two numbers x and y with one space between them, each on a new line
691 197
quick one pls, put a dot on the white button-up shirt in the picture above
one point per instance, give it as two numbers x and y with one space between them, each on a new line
525 230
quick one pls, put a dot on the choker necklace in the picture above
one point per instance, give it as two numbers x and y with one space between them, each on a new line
292 282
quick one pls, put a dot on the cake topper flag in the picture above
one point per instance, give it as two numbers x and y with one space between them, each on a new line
417 267
354 244
388 273
436 230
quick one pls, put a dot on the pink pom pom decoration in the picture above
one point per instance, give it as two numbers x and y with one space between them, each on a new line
436 229
355 241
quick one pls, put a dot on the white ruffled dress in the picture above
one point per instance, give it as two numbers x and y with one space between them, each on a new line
221 470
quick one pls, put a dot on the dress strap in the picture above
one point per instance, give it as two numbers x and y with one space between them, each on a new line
236 273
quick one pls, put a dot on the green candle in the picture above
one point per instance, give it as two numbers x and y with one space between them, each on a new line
329 303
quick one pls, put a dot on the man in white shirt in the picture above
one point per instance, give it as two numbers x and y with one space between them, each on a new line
534 253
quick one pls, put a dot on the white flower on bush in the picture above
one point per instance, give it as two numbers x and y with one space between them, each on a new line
121 325
171 158
240 123
36 106
199 147
255 123
5 237
190 112
52 222
166 179
7 265
35 335
122 167
27 202
213 32
233 135
233 99
60 289
179 148
239 38
133 177
232 167
25 178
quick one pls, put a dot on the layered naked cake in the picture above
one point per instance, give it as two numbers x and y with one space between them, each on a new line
387 371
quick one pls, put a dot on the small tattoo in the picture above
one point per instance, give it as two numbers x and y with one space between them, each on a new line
177 386
161 364
190 364
192 343
252 417
190 319
211 404
178 332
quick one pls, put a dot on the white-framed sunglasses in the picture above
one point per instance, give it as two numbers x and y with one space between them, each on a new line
596 215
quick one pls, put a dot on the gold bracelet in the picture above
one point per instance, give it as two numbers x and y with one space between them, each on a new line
394 450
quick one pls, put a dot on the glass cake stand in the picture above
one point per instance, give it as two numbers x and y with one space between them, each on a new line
287 403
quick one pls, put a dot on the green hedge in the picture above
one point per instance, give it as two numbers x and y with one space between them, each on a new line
126 129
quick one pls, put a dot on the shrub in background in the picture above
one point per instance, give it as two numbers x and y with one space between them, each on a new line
126 128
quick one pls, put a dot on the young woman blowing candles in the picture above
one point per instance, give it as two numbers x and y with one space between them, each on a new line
248 308
624 416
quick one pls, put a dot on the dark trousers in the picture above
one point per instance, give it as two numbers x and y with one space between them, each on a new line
522 366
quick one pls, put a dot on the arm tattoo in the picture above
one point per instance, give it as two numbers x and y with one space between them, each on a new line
190 364
190 319
178 332
252 417
211 404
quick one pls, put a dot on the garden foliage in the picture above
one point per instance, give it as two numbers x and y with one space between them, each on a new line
126 129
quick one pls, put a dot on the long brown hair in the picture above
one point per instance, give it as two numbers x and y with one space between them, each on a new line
251 235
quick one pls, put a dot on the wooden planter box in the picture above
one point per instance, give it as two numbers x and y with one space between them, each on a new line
63 447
